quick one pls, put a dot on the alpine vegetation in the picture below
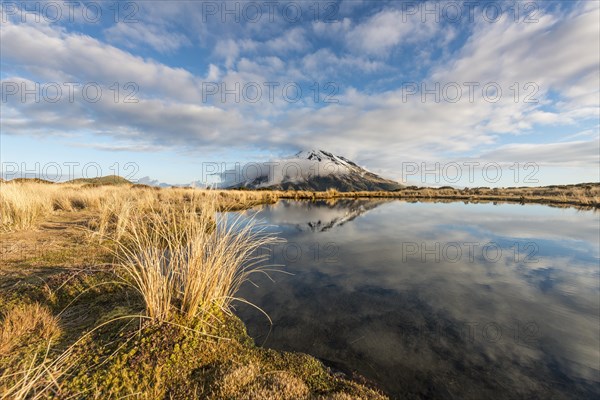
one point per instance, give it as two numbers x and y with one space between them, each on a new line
187 259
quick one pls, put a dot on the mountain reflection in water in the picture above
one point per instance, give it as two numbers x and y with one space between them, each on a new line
437 300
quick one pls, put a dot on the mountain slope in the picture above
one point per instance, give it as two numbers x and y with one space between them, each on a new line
309 170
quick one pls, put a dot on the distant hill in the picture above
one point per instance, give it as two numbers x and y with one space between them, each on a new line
315 170
30 180
103 180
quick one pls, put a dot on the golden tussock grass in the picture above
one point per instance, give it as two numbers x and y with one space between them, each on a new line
24 204
179 252
21 205
37 376
26 373
24 321
186 259
184 256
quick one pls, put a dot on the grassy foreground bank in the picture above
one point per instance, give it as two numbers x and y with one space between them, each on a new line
109 289
120 291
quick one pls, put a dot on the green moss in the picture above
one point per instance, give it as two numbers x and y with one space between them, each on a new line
110 352
171 361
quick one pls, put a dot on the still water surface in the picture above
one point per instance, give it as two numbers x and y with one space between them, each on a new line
437 300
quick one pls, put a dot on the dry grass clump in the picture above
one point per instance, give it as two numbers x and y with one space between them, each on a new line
38 377
187 260
26 321
21 205
332 192
75 198
113 216
27 371
24 204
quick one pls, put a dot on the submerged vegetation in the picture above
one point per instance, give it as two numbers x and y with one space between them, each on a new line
112 291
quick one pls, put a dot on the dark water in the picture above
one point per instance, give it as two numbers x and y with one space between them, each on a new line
434 300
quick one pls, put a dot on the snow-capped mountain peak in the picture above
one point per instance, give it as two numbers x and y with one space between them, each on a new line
315 155
312 169
323 156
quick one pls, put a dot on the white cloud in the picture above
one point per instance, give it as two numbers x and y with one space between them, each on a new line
229 50
559 54
380 33
134 35
378 129
576 153
324 62
292 40
71 57
214 73
334 29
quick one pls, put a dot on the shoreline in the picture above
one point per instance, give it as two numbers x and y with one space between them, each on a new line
583 194
72 323
463 198
57 254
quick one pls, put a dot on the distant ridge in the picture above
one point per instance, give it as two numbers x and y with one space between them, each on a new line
31 180
102 180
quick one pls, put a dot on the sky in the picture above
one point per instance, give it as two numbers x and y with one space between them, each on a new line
475 93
